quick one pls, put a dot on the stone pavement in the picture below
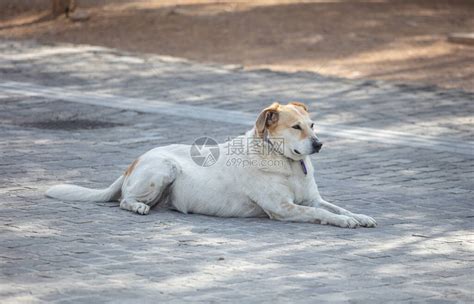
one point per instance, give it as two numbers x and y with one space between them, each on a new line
52 251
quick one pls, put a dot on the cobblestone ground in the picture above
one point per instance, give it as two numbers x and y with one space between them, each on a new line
53 251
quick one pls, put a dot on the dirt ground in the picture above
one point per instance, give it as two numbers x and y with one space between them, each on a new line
399 41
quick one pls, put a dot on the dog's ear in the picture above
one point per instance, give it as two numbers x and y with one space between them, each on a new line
267 118
299 104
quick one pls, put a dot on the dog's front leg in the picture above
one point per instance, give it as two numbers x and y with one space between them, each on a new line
364 220
288 211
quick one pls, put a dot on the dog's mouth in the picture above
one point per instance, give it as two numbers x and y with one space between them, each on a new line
296 152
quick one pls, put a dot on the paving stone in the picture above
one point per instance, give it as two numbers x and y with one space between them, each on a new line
56 252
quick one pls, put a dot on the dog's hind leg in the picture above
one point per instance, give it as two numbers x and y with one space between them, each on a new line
145 186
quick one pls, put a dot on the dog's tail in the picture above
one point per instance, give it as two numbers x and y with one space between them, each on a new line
77 193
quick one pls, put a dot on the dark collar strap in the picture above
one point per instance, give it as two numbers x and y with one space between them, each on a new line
303 166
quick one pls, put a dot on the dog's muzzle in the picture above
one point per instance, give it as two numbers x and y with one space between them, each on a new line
317 145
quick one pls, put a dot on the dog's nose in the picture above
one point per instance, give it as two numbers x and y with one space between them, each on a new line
317 145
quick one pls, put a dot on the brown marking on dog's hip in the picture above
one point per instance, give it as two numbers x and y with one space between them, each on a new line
131 167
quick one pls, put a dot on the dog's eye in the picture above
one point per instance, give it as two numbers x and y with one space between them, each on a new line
312 125
297 127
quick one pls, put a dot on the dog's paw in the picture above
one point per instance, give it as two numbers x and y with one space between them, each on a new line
142 209
364 220
346 222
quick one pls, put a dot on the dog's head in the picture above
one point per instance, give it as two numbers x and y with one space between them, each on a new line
291 125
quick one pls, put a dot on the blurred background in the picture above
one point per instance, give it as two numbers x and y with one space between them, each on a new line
412 41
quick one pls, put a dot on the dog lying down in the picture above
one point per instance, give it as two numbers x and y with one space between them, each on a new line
273 178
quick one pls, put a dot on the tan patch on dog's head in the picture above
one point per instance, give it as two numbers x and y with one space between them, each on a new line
278 116
290 115
131 167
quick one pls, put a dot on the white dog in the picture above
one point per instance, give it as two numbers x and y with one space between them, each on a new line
274 177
